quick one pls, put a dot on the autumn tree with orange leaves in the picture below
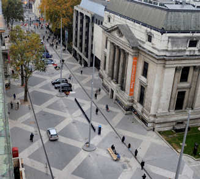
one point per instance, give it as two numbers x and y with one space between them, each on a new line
53 10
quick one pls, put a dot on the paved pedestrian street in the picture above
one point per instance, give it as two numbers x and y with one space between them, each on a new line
66 156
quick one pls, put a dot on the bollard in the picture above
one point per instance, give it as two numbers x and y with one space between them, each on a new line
99 130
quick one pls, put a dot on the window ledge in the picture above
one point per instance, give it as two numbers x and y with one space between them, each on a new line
184 85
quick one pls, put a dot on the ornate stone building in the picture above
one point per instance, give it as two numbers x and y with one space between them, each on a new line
150 60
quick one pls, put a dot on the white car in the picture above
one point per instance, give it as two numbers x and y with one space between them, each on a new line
52 134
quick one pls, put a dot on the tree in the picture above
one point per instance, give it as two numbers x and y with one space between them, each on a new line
12 10
26 54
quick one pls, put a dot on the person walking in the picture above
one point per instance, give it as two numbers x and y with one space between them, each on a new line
95 95
143 176
129 146
17 105
142 165
11 105
97 110
123 139
81 72
107 108
99 90
31 137
136 152
14 96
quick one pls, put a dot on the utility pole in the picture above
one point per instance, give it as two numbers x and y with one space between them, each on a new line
183 145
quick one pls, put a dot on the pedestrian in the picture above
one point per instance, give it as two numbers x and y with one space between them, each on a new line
14 96
17 105
112 147
107 108
97 110
129 146
56 46
11 105
70 77
143 176
43 37
99 90
13 72
81 72
142 165
123 139
136 152
31 137
95 95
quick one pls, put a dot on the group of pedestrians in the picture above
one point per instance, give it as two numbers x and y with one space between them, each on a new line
15 102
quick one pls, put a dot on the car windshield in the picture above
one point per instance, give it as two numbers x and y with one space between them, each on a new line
53 132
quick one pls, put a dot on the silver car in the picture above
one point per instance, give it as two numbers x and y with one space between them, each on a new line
52 134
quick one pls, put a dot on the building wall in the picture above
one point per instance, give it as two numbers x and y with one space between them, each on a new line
35 8
166 55
97 40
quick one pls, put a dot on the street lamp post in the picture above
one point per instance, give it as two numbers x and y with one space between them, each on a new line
88 146
61 94
183 145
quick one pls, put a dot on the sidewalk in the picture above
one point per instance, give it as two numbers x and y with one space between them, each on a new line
66 156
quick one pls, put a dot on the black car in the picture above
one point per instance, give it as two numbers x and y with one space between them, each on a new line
63 85
57 81
65 89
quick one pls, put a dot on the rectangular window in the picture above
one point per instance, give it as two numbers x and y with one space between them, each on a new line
145 69
184 74
149 38
180 100
141 99
106 42
104 63
193 43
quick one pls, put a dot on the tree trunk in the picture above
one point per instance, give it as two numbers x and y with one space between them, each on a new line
22 75
26 90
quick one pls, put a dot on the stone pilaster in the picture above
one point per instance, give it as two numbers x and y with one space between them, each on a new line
78 38
174 89
111 59
83 44
121 67
125 71
193 87
116 64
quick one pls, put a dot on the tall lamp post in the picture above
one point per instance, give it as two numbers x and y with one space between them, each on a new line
88 146
183 145
61 94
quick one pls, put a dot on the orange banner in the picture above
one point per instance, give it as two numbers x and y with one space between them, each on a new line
133 73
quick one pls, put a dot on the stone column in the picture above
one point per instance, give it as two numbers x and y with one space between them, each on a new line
90 41
78 38
111 58
121 67
107 57
74 26
193 87
174 89
116 65
83 44
125 71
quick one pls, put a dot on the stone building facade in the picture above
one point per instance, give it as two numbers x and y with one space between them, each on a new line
86 15
150 60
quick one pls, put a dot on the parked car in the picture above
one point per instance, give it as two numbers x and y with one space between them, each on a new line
52 134
46 55
63 85
65 88
48 61
57 81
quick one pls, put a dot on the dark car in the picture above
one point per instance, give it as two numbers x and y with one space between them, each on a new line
46 55
48 61
57 81
63 85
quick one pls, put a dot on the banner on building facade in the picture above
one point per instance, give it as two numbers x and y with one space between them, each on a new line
133 74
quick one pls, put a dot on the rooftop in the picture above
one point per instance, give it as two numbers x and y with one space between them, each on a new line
163 17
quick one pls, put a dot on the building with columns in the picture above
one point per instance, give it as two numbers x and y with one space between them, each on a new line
87 18
150 60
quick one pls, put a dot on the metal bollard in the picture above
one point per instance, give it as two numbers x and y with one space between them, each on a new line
99 130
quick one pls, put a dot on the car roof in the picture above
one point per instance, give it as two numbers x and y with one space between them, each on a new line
52 131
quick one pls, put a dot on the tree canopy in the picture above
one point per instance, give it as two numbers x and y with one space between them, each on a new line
26 54
55 9
12 10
